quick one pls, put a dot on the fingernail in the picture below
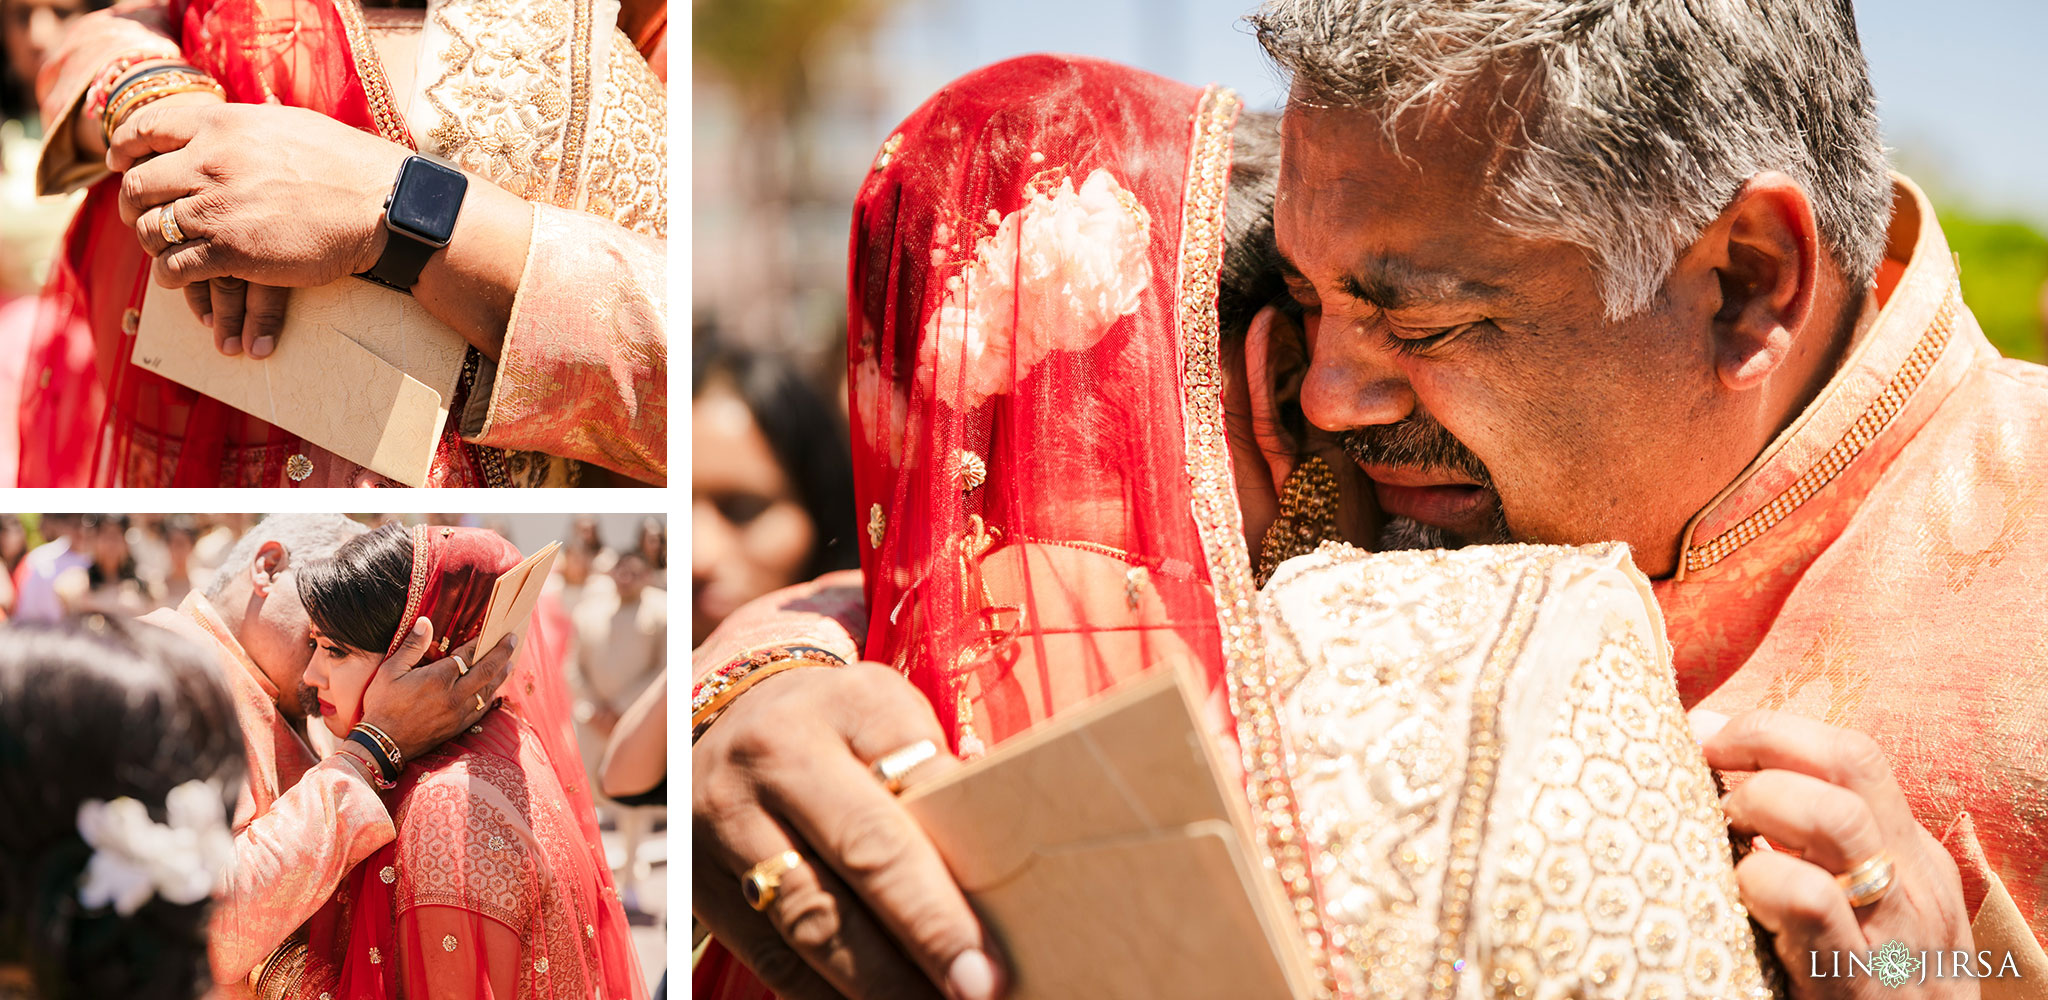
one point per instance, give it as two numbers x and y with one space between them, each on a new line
419 626
232 345
972 977
263 346
1705 724
206 320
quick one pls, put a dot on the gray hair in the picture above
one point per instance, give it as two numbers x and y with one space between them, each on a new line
304 536
1646 117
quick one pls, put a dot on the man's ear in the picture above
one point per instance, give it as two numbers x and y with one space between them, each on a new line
1276 362
270 562
1764 254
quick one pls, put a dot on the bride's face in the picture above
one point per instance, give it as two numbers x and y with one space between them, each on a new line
339 676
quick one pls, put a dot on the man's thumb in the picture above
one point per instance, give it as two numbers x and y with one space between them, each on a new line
412 648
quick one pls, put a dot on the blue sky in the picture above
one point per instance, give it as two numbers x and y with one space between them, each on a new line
1961 85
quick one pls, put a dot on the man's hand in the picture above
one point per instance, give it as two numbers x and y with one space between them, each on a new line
280 196
1828 795
422 707
872 912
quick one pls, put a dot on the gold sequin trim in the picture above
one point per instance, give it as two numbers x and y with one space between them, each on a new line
417 592
1461 870
1879 415
376 87
1253 695
579 106
889 148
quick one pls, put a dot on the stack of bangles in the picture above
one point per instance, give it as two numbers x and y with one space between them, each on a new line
383 752
710 696
129 86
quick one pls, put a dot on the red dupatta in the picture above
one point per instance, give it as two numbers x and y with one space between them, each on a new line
371 936
148 430
1036 402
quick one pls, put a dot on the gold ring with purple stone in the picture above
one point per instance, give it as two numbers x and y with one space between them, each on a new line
763 882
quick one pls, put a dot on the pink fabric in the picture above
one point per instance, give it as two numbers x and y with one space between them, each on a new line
584 370
1904 598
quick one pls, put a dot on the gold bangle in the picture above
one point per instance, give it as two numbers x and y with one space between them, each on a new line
365 765
734 686
142 95
384 743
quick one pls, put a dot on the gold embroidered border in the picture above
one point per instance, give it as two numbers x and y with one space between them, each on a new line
1220 524
1867 427
370 69
1461 868
579 107
416 593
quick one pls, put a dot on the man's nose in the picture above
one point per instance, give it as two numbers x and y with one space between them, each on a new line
1353 381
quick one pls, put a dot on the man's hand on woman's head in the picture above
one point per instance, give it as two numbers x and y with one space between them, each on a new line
422 707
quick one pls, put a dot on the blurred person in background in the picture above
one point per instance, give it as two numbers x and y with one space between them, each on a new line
622 648
180 534
585 530
771 478
120 762
653 548
217 535
35 580
108 583
13 546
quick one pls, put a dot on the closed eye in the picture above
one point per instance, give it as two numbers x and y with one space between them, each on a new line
1412 342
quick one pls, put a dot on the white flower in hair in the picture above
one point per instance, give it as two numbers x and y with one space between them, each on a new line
135 857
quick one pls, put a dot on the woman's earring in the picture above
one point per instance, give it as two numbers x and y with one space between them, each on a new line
1308 516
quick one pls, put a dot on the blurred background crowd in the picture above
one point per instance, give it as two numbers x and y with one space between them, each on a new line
609 587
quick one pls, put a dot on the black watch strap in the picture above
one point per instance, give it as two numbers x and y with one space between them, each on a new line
403 260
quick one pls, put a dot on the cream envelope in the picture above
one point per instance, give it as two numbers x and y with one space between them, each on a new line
363 371
1111 859
513 597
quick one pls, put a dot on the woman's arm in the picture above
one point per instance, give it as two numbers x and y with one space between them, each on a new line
74 152
637 758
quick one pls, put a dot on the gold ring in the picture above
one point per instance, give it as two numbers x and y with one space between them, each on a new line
896 765
762 882
167 224
480 701
461 665
1868 882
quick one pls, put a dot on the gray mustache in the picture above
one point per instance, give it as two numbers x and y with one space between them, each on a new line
1418 442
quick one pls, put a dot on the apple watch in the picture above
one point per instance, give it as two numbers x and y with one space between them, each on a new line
420 215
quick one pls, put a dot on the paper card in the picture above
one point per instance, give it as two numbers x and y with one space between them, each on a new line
362 371
1079 841
513 598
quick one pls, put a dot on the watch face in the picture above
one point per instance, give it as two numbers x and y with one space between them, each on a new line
426 200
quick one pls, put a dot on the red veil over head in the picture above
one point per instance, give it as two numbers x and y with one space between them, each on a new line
1036 429
550 895
1037 415
112 423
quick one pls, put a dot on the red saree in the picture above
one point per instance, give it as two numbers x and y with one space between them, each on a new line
121 425
1036 403
497 871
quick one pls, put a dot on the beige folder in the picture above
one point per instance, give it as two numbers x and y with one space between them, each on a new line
362 371
513 597
1111 858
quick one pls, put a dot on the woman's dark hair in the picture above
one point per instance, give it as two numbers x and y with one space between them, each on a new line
357 595
1250 277
126 571
97 708
807 434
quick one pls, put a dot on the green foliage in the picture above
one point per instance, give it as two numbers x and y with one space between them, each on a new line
2004 265
763 46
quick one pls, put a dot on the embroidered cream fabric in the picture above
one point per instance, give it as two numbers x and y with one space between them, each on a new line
1501 791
